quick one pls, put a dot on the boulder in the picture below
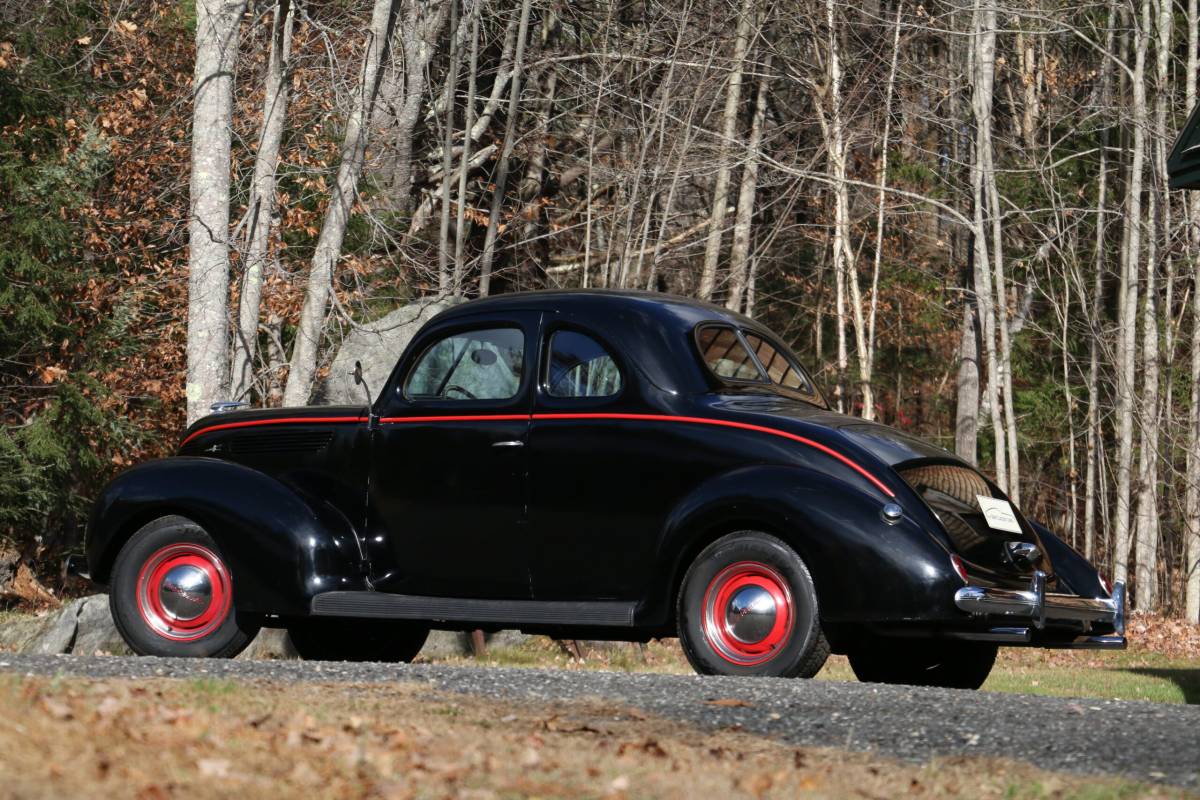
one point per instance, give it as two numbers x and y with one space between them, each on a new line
377 345
95 633
84 627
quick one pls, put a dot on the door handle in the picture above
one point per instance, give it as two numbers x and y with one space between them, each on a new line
509 443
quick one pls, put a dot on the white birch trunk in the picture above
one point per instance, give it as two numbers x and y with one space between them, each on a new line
733 96
208 224
739 255
1127 317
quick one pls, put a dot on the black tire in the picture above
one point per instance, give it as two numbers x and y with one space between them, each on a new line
794 646
923 662
327 639
142 576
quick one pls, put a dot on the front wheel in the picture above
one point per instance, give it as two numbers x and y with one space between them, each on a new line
329 639
923 662
172 594
748 606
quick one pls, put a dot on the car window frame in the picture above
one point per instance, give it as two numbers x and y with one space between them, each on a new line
433 338
543 387
764 378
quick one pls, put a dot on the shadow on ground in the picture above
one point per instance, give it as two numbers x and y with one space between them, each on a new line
1188 680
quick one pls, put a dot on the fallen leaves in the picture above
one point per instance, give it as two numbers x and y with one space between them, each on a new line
730 702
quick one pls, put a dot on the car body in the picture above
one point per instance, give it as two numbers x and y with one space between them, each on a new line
557 462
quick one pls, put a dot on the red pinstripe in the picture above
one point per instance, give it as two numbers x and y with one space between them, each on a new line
723 423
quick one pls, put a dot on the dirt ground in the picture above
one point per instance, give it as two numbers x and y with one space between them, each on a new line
201 739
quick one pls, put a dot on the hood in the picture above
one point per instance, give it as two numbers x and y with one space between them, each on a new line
250 417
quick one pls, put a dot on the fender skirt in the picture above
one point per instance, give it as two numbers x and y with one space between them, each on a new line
281 547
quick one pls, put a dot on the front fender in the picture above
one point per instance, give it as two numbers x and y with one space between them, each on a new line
864 569
281 546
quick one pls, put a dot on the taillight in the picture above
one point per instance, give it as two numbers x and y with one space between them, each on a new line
1104 583
957 564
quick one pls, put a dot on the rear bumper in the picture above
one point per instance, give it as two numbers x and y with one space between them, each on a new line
1044 610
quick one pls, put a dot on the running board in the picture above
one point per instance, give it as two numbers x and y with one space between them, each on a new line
379 605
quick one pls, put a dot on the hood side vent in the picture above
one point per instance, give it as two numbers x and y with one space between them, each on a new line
279 442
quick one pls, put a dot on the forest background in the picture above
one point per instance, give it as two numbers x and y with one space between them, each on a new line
956 212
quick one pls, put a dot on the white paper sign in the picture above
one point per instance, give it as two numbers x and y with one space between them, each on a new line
999 514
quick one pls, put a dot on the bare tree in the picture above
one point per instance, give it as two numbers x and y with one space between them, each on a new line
309 332
208 226
260 211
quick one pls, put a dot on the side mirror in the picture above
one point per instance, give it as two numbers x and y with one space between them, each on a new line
358 378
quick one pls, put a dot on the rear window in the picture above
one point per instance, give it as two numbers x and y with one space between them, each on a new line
781 369
723 352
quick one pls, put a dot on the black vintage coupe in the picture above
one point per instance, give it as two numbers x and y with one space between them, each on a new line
591 465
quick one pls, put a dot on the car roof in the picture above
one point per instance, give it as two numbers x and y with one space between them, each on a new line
600 301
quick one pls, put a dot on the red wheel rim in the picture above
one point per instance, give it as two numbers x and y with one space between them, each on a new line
184 592
749 614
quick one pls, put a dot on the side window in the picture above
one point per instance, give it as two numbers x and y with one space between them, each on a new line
779 367
724 354
579 366
472 365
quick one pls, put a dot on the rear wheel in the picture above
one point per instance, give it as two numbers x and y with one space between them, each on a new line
923 662
329 639
747 606
172 594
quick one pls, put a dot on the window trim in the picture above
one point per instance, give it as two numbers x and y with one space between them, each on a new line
437 337
764 378
548 334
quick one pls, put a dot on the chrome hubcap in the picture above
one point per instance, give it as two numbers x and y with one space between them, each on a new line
185 592
750 614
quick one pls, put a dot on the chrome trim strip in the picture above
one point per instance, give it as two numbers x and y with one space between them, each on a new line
1039 607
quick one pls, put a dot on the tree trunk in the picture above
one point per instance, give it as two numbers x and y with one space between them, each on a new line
1127 316
729 119
208 224
445 278
261 210
460 221
984 80
311 328
1146 584
739 255
1191 561
510 132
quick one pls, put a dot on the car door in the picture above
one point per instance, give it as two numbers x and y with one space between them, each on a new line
448 463
593 513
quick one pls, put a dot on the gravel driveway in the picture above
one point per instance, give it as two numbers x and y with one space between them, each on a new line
1145 740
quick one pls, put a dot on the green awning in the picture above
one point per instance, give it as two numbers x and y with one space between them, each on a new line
1183 165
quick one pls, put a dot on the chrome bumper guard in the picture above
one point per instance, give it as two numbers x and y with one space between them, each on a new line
1039 607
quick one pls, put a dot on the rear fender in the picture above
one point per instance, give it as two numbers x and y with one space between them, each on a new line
1070 567
281 547
863 568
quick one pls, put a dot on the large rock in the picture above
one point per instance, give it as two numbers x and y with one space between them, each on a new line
84 627
95 633
377 345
